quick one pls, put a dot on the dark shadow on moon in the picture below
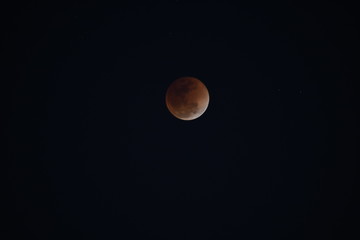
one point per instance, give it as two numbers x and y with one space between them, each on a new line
182 91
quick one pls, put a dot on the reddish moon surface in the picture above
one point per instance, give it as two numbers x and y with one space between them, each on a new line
187 98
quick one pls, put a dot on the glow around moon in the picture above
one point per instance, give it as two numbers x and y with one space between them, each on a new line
187 98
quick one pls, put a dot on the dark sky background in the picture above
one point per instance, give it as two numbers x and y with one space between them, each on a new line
93 153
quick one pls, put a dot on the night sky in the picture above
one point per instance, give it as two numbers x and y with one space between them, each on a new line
93 152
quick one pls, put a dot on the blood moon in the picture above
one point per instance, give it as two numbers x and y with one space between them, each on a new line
187 98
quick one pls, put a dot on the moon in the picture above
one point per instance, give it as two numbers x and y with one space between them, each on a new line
187 98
